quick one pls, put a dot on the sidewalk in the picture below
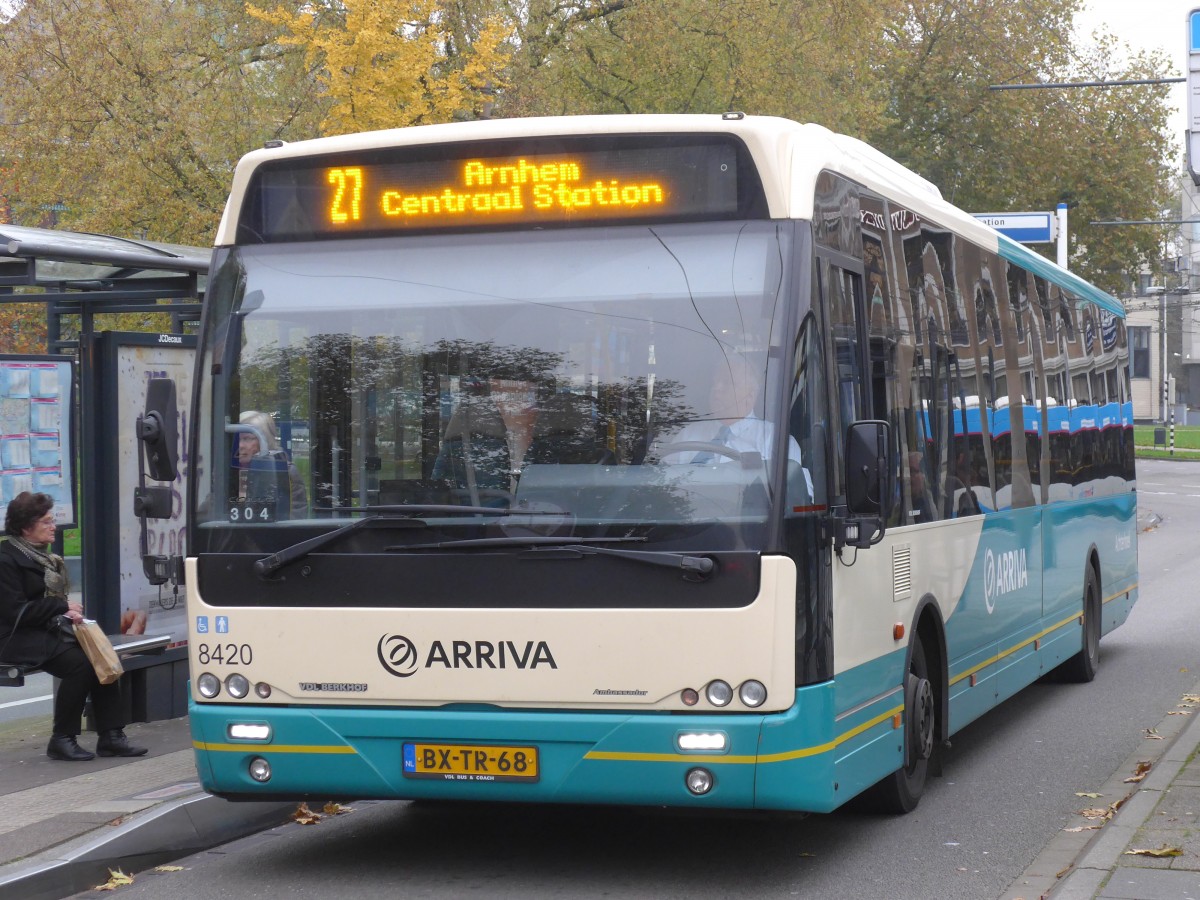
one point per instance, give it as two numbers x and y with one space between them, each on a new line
1160 814
63 825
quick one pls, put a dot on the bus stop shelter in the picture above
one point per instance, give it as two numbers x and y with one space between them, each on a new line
81 279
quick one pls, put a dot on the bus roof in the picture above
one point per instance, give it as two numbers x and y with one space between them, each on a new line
790 156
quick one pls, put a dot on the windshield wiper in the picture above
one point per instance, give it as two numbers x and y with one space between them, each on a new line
689 565
269 565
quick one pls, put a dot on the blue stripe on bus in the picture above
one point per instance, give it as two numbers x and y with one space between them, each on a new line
1039 265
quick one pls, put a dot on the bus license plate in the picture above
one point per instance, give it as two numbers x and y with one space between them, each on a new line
470 762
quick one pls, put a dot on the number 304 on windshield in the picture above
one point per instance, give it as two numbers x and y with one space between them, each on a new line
252 511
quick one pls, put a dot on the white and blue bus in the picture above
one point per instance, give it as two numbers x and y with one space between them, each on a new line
704 461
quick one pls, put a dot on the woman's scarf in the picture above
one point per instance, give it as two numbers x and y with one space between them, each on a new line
58 583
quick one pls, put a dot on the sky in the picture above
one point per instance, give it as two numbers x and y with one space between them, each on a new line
1148 25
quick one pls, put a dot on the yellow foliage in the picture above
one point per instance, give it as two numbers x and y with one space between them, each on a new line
396 63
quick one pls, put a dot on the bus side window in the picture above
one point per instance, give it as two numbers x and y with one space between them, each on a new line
807 425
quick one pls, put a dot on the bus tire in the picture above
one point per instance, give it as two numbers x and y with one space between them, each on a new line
901 791
1081 668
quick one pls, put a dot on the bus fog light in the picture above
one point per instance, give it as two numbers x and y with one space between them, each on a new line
208 685
699 781
719 693
249 731
263 690
753 693
702 740
237 685
689 696
260 769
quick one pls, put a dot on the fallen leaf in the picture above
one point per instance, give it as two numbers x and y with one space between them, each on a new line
305 816
1092 795
1180 712
1159 853
116 879
335 809
1095 813
1152 734
1140 771
168 868
1079 828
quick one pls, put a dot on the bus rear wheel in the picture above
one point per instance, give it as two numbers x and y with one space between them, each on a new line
901 791
1081 668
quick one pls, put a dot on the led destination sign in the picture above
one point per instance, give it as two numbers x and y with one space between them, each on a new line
486 188
403 189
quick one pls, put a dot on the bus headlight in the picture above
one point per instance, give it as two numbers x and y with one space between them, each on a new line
209 685
237 685
260 769
718 692
753 693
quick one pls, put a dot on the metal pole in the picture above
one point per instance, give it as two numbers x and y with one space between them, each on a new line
1171 404
1163 301
1062 235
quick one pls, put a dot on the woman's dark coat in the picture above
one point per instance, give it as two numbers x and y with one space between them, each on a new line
23 585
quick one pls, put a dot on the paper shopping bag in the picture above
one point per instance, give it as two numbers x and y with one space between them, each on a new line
99 650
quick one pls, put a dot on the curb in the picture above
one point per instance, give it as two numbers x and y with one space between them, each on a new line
1104 853
1069 869
174 829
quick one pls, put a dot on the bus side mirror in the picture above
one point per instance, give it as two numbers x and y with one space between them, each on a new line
158 431
868 473
869 486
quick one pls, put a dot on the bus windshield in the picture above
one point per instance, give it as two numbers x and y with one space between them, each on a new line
616 381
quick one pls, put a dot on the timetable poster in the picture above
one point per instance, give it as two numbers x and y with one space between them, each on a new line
35 430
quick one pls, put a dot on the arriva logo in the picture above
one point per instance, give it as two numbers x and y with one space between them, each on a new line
1003 574
400 656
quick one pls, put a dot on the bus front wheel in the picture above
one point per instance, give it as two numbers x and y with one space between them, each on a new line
901 791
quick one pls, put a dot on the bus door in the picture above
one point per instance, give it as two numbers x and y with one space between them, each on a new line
827 394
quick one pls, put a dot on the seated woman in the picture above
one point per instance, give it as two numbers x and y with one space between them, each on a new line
36 629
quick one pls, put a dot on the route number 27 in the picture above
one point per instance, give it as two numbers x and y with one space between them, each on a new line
347 195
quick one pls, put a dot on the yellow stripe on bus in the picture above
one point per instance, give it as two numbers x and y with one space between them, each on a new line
272 748
618 756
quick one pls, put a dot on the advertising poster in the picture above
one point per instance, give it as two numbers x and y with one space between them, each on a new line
148 608
36 447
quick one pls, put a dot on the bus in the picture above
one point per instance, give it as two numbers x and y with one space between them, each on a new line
701 461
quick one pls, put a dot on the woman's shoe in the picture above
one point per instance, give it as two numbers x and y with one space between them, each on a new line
64 747
114 743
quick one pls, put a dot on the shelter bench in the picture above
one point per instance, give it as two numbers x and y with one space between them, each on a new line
13 675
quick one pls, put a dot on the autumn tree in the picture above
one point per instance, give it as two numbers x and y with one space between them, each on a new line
393 63
1103 151
804 59
131 114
